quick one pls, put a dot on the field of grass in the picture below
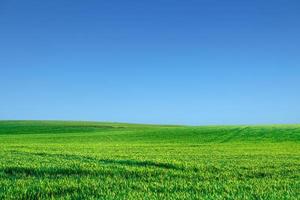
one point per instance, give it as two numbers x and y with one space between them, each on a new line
91 160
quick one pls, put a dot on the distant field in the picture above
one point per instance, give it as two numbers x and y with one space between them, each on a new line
89 160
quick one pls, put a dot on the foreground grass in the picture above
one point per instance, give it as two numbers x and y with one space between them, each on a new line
87 160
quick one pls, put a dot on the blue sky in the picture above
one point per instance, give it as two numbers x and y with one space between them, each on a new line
170 62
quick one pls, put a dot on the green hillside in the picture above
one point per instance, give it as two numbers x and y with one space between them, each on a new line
92 160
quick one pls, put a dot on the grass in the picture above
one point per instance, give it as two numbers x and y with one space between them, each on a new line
91 160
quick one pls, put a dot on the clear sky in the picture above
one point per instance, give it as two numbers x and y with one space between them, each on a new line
159 61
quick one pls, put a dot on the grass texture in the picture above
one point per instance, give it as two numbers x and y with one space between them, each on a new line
92 160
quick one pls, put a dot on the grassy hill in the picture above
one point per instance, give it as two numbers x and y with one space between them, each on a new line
92 160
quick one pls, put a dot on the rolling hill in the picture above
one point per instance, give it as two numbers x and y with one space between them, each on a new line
94 160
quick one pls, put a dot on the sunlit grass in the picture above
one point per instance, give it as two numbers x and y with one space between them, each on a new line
86 160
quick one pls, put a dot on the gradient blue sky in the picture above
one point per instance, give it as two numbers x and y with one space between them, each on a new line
171 62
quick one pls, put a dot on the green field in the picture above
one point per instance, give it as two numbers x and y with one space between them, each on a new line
92 160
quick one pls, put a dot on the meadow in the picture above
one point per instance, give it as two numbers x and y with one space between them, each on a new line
93 160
